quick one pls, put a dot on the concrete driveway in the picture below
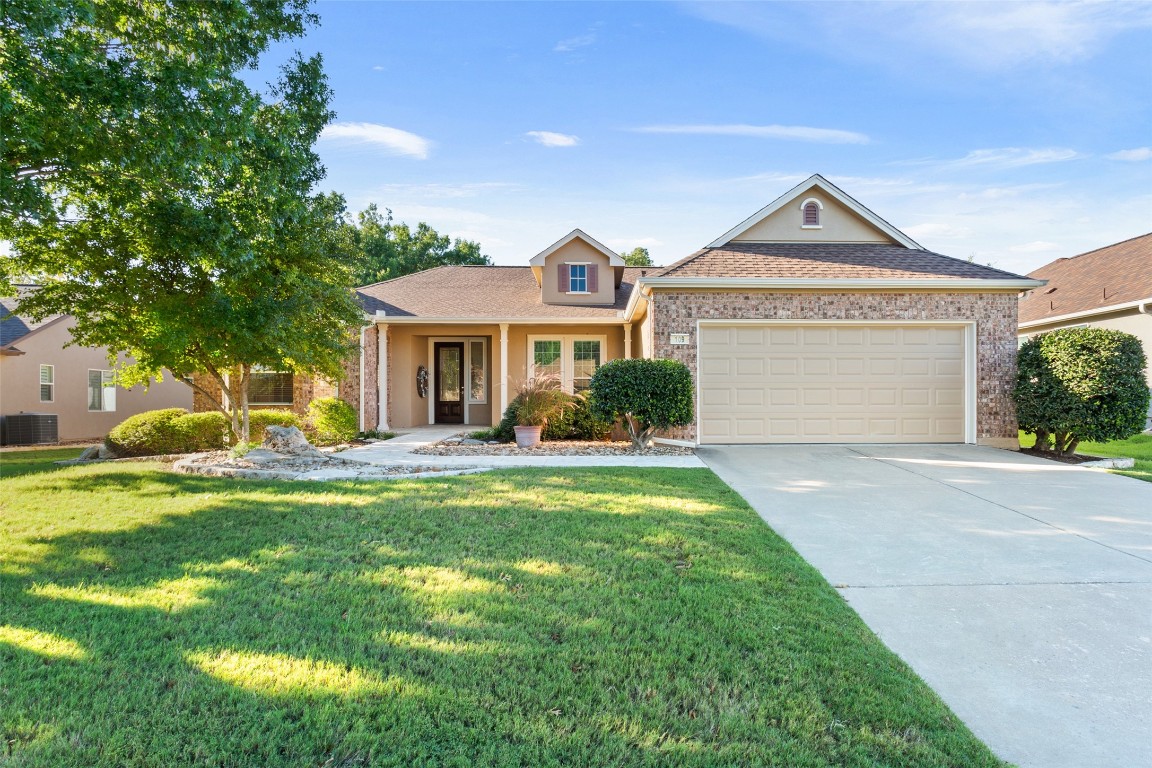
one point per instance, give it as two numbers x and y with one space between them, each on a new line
1019 589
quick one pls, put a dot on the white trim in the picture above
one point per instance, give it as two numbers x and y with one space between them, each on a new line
970 363
467 402
382 374
578 293
1088 312
819 210
103 394
363 329
617 319
768 283
818 182
567 361
503 373
483 341
614 259
41 382
628 341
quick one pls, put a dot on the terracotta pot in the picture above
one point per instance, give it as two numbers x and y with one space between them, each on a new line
526 437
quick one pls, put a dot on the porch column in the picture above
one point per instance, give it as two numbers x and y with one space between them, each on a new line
628 341
503 372
382 376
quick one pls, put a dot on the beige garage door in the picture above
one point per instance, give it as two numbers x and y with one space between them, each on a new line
831 383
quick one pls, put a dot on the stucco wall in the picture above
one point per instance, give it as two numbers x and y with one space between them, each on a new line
577 251
994 314
20 386
837 225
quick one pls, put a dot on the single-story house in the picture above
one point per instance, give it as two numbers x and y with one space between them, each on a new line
813 320
1109 287
41 374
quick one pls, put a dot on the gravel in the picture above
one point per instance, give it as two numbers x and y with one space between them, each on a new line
453 447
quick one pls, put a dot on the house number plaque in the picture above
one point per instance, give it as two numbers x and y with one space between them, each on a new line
679 338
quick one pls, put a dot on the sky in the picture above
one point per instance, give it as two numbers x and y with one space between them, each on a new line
1011 133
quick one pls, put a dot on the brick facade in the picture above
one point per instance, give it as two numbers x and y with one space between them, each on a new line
994 314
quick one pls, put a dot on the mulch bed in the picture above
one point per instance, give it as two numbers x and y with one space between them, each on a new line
1073 459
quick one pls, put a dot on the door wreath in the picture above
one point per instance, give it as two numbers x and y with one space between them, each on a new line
422 381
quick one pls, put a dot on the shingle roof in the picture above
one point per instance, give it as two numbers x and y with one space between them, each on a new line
827 261
1115 274
13 325
480 292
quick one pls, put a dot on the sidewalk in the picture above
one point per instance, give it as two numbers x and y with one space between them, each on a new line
399 449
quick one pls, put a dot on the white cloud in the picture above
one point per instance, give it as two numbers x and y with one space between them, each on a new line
1011 157
551 139
1036 246
572 43
393 140
377 68
982 36
1132 155
786 132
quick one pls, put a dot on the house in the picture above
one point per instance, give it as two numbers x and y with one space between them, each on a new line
1110 287
813 320
41 373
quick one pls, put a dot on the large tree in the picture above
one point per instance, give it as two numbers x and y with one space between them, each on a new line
637 257
387 250
193 239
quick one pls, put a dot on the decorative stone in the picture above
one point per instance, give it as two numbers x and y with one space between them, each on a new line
91 453
470 441
263 456
289 441
105 452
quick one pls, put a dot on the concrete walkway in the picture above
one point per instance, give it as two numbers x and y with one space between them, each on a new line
399 449
1019 589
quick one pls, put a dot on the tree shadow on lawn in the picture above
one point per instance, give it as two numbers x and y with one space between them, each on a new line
511 618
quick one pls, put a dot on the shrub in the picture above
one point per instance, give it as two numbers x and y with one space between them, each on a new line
540 401
1081 384
151 433
203 431
332 421
258 421
645 394
574 423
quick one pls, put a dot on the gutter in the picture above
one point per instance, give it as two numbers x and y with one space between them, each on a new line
793 283
618 319
1143 306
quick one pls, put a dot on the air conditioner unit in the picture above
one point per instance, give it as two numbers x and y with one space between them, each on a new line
29 429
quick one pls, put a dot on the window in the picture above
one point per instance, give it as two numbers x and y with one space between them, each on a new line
270 388
811 208
573 359
101 391
47 383
577 278
478 371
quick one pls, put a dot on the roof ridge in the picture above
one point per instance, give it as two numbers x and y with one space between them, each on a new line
1101 248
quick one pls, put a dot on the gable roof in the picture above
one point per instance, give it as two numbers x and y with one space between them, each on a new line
15 326
826 261
483 293
1104 278
816 181
614 259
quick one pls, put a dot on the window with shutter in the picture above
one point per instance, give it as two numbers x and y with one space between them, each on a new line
562 273
593 278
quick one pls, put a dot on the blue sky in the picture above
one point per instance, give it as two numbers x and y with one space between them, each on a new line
1014 133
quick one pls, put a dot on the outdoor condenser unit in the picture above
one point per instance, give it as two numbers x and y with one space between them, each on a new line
28 429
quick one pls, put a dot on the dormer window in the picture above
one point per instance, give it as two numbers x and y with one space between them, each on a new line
578 278
811 209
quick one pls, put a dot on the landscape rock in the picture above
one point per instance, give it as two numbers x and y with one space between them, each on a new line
91 453
459 447
105 453
289 441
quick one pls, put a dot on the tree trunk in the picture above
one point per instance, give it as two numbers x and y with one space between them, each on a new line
245 425
1042 440
641 438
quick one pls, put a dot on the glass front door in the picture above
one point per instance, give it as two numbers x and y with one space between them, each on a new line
449 383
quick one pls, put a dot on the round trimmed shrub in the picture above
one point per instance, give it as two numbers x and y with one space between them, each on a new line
206 431
258 421
1077 384
332 421
646 395
151 433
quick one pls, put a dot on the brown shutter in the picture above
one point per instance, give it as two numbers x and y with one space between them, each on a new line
593 278
562 272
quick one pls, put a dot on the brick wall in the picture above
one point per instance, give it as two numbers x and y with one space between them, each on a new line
994 314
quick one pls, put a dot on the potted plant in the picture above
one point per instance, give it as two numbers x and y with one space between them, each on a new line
539 400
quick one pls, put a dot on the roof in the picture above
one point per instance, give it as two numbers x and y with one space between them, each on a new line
482 293
13 325
1106 277
816 181
828 261
614 259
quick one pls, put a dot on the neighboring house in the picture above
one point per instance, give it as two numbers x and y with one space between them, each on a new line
814 320
39 373
1110 287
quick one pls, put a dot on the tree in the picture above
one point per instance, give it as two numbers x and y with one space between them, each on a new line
646 395
1079 384
214 254
637 257
388 250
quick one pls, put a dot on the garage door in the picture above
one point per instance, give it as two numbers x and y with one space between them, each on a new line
831 383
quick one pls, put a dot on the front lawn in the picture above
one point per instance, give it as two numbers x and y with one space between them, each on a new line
1138 447
521 618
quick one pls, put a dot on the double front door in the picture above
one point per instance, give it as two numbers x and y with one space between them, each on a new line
449 382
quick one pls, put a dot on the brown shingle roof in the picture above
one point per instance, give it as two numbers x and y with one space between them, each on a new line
1115 274
480 292
828 261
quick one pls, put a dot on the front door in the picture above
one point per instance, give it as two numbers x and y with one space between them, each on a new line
449 382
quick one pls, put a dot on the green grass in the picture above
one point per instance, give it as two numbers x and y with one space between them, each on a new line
1138 447
15 463
529 617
